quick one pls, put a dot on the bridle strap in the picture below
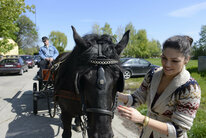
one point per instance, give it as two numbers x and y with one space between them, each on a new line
104 111
103 61
67 95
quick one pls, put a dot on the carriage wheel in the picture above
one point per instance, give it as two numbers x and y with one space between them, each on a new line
52 106
40 85
52 109
35 98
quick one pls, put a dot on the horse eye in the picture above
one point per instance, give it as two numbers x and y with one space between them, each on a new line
109 49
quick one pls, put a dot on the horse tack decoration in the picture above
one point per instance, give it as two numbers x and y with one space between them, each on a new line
87 81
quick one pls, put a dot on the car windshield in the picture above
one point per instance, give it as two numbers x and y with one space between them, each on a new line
26 57
9 61
144 62
122 60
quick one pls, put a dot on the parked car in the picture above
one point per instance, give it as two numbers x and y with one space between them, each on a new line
29 60
37 59
135 67
1 57
13 65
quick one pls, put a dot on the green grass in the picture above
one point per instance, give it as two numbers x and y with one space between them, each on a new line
198 129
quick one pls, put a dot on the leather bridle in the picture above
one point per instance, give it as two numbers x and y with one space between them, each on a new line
101 81
100 61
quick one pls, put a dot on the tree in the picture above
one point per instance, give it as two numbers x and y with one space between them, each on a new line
5 46
154 48
141 44
119 33
129 50
10 10
27 36
138 43
107 29
199 48
96 29
59 40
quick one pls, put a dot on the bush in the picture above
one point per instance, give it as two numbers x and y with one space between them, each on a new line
198 129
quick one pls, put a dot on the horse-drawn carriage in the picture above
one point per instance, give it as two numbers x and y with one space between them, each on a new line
45 89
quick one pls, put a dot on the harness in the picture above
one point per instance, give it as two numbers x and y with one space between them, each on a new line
100 61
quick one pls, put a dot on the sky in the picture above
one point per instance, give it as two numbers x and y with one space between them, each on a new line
160 18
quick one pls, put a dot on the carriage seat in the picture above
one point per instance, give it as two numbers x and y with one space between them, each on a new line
45 74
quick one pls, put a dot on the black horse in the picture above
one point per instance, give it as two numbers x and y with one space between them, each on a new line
87 80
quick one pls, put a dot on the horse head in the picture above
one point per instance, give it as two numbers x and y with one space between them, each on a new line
98 78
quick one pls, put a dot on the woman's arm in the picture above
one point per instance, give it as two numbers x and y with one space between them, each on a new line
139 96
135 116
159 126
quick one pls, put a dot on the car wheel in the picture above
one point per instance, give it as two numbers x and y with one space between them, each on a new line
127 74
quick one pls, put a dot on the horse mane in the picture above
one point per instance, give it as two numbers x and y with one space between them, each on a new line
92 40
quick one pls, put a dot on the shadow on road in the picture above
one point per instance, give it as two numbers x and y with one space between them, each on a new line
25 123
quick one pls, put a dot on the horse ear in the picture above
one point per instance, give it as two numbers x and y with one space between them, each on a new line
77 38
123 42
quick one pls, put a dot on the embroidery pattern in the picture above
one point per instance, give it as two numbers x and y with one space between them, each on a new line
187 108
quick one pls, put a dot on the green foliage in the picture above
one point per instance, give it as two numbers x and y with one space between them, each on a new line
119 33
139 45
198 51
5 46
29 51
106 29
96 29
198 129
60 49
199 48
27 36
10 10
59 40
154 48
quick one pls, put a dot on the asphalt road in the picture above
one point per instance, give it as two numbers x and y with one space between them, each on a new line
18 121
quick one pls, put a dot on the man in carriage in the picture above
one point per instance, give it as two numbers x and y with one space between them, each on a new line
48 54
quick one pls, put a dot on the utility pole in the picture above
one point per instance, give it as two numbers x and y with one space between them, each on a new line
35 16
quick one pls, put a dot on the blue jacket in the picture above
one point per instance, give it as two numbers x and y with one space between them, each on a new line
50 52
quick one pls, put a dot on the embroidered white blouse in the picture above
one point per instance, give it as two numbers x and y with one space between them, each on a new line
176 106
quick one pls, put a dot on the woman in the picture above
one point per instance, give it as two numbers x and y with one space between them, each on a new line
171 95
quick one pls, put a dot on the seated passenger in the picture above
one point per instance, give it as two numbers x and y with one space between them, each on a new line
47 54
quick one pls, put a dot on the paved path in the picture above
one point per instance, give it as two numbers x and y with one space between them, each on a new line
18 121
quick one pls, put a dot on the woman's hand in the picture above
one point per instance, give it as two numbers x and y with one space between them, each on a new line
131 114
